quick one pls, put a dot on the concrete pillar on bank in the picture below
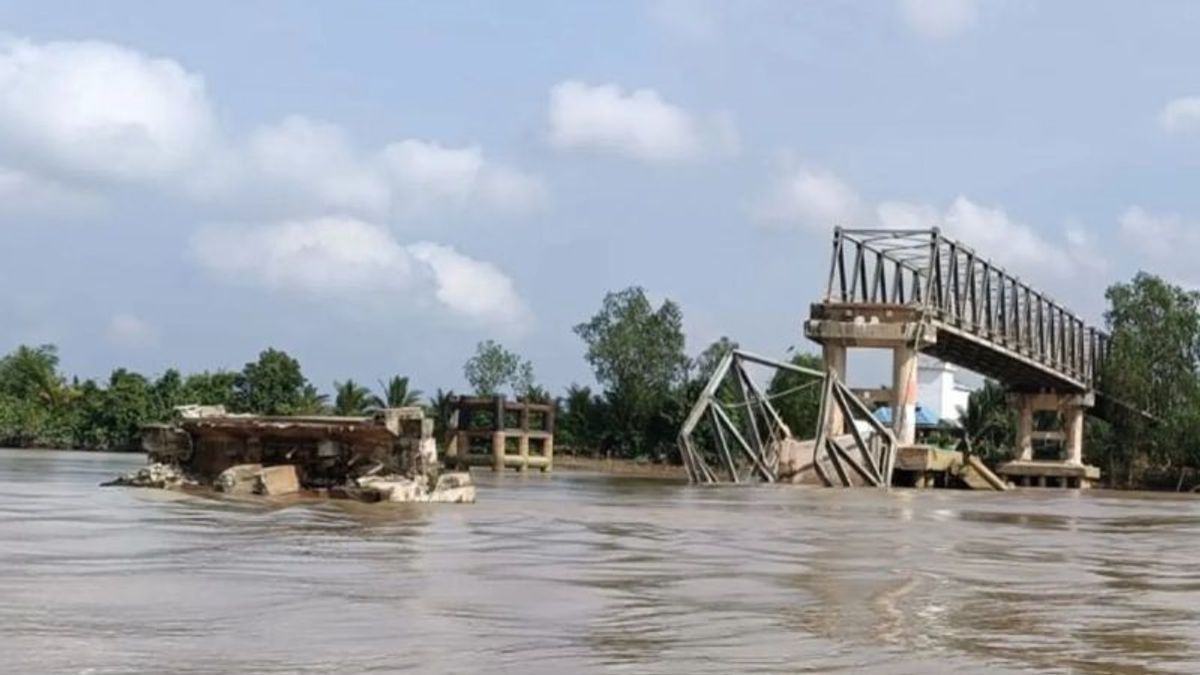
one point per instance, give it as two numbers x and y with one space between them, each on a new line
523 446
498 450
1024 403
835 360
904 390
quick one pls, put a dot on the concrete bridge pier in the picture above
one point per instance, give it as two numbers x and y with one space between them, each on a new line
904 401
1069 471
872 327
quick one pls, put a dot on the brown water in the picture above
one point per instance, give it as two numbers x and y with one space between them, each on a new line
586 573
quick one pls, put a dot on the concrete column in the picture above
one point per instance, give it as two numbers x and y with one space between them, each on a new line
1073 444
1024 427
835 360
523 445
498 450
904 389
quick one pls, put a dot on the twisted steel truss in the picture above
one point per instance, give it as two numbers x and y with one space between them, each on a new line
734 433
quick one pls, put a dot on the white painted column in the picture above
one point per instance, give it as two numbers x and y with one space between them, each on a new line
904 390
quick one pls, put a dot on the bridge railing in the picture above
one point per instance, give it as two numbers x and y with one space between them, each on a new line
954 285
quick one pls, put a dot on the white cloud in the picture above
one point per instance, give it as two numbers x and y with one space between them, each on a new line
313 160
639 124
130 331
939 19
82 115
991 232
1160 236
810 198
100 110
1181 115
424 172
816 200
348 260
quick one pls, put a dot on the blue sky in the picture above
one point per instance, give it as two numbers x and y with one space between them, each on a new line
375 187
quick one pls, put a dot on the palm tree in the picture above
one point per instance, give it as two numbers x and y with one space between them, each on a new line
396 394
352 398
440 407
987 422
312 402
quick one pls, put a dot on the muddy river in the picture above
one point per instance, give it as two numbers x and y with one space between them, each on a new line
580 572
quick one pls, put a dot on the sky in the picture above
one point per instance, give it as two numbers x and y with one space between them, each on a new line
377 187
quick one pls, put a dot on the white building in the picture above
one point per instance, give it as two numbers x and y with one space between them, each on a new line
938 391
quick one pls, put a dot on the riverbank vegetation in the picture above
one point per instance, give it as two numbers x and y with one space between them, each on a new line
1147 432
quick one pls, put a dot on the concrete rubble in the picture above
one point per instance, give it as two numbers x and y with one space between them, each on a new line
389 455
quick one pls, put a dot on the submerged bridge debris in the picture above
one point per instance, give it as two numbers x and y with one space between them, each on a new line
736 418
389 455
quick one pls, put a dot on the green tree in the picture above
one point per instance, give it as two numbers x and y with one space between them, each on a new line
440 408
127 405
493 367
210 388
272 385
582 422
637 353
1151 368
988 423
351 398
704 364
396 393
797 397
32 373
312 402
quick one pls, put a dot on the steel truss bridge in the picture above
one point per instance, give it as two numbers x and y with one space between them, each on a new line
984 318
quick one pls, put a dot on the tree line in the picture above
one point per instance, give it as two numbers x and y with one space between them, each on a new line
1146 433
646 381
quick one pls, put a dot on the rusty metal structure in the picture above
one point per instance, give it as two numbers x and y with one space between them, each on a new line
734 433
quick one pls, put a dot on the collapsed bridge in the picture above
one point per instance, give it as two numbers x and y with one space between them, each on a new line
918 291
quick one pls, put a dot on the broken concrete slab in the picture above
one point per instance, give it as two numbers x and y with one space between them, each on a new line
282 479
240 479
154 475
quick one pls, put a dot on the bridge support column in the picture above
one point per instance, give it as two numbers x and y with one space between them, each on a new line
1073 443
835 359
904 391
1024 404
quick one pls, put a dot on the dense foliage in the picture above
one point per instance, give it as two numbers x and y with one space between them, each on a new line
1146 433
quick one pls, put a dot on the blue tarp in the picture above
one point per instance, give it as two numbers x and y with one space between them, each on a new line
924 417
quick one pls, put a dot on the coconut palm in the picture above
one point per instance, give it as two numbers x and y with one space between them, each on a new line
987 422
396 394
440 408
312 402
352 398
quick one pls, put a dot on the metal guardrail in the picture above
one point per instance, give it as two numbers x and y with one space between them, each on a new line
959 289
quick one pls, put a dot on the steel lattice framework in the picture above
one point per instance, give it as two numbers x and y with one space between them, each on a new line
734 432
986 319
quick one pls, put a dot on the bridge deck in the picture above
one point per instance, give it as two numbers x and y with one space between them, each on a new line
967 310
